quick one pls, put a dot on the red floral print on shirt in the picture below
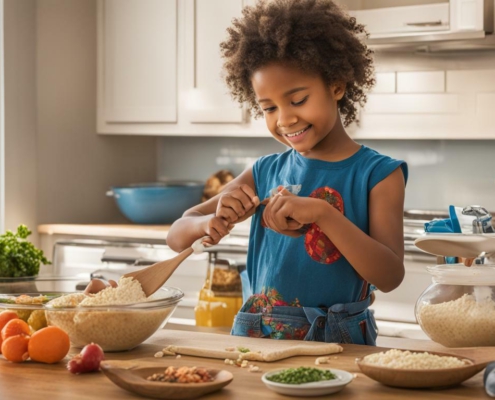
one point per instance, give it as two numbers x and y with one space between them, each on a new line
319 247
264 303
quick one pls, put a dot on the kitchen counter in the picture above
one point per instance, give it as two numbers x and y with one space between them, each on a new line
30 380
155 232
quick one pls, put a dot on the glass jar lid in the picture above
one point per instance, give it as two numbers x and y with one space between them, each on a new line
459 274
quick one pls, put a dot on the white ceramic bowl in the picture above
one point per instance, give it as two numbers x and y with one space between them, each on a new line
310 389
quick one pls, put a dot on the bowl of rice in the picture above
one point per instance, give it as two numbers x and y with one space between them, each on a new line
117 319
417 369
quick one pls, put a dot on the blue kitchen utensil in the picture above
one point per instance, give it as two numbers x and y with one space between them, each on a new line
448 225
489 379
157 203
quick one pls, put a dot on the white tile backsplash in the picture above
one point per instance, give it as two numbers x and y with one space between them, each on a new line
412 104
421 82
385 82
471 81
485 104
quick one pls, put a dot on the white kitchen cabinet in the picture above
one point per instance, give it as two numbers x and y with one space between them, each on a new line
396 18
206 23
137 63
159 69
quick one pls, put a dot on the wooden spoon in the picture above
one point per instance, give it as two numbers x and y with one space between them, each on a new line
153 277
134 380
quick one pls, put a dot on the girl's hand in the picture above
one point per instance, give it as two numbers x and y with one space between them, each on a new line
287 213
216 228
237 205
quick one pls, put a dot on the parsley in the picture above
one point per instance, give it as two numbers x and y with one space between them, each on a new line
243 349
19 257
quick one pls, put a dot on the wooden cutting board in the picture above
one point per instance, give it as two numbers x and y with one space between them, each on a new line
212 345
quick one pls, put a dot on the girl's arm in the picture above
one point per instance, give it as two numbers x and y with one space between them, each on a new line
214 218
377 257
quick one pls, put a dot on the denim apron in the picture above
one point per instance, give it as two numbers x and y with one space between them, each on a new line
340 323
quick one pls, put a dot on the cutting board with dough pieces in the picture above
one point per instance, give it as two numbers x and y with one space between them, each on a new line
212 345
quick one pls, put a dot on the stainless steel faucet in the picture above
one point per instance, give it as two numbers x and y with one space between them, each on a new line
482 222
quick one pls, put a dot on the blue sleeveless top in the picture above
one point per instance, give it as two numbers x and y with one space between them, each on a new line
309 271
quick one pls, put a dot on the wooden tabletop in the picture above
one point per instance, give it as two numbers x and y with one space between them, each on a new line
30 380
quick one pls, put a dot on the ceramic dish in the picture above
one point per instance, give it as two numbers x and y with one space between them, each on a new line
422 378
133 379
310 389
456 244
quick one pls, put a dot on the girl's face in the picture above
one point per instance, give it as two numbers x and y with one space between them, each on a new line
300 109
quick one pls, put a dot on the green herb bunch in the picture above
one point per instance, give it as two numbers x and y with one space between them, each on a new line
19 257
296 376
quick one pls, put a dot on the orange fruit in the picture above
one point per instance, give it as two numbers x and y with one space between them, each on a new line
15 348
49 345
6 316
15 327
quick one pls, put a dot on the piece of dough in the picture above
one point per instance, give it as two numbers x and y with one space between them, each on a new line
297 350
202 352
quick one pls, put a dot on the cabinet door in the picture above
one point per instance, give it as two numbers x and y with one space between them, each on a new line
208 100
137 64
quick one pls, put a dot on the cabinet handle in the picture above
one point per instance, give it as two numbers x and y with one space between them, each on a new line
431 23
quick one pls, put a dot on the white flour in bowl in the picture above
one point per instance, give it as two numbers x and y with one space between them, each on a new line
112 329
128 291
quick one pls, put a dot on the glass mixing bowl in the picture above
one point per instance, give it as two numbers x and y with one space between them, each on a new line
113 327
458 308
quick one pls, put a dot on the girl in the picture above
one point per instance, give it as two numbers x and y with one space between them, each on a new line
328 228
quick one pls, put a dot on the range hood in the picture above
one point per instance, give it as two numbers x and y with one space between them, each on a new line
428 25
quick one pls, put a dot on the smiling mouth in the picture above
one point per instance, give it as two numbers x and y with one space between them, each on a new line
291 135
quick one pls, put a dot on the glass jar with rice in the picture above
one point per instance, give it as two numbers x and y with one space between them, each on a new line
458 308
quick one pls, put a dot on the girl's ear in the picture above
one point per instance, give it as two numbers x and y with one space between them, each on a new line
337 90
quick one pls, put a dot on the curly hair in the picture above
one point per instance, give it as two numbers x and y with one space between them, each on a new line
312 35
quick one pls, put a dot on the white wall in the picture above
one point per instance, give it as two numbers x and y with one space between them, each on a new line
57 167
76 166
20 114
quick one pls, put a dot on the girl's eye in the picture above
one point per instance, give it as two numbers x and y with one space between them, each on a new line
300 103
269 109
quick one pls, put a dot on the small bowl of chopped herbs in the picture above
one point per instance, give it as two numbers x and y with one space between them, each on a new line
307 381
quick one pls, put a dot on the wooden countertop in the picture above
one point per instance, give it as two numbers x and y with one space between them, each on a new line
127 231
156 232
30 380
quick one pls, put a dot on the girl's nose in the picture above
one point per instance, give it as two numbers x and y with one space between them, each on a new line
286 120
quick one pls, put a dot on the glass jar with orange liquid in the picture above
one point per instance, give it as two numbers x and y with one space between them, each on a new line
221 296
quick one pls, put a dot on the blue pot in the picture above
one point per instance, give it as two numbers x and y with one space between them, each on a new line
157 203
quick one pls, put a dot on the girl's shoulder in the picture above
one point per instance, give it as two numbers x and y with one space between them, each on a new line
379 166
